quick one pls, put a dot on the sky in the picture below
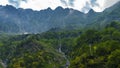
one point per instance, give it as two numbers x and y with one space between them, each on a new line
81 5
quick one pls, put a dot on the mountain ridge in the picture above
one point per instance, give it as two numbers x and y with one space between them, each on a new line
30 21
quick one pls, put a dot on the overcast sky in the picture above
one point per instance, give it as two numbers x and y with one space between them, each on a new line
81 5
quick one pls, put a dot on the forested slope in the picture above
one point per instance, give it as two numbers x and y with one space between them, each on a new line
83 49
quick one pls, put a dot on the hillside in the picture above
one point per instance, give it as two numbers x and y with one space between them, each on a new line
97 49
26 51
73 49
60 38
20 20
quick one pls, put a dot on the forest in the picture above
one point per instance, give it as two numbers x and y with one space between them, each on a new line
90 48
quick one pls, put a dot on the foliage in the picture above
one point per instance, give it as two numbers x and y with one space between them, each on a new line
97 49
84 49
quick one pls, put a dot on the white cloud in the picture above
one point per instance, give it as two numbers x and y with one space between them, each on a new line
104 4
100 7
108 3
78 4
3 2
41 4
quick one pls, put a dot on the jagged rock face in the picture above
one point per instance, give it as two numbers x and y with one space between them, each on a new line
14 20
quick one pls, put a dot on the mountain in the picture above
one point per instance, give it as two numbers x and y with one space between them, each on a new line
110 14
68 38
20 20
14 20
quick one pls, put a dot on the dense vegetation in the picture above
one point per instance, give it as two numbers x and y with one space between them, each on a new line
27 52
97 49
84 49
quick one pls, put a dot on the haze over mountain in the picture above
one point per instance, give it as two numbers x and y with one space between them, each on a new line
20 20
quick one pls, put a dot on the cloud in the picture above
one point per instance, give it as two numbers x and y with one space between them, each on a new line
108 3
67 2
64 2
94 3
100 6
4 2
81 5
103 4
41 4
71 2
87 7
16 3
